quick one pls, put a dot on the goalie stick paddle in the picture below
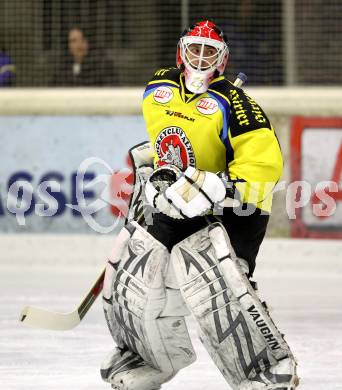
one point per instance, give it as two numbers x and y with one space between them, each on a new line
51 320
45 319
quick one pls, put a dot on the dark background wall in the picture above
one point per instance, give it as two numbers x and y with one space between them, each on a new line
138 36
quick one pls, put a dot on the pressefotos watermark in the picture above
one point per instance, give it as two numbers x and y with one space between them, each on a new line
112 189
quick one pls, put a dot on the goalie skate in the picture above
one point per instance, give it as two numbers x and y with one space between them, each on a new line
281 368
125 370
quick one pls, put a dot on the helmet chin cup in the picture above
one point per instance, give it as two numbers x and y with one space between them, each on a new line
196 81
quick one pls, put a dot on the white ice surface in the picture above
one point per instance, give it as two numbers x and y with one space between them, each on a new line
300 279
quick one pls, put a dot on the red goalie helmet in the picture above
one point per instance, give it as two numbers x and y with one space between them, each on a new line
202 54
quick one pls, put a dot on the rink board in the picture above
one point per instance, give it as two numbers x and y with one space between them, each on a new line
64 173
316 162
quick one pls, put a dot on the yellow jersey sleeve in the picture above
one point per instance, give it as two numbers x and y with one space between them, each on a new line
256 161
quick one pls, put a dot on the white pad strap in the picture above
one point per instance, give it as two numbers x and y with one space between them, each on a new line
237 330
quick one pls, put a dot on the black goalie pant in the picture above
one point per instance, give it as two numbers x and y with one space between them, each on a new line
245 232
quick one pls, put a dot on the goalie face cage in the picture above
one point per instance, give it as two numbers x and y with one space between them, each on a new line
203 55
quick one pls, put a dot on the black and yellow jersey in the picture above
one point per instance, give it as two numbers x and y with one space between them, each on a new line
220 129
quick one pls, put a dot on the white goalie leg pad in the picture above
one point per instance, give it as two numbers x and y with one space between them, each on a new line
236 328
120 243
137 302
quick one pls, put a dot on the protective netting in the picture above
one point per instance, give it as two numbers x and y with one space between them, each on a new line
275 42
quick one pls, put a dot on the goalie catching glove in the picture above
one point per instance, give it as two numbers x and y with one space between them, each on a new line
184 194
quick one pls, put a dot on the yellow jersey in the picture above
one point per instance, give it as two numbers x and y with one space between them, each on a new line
222 129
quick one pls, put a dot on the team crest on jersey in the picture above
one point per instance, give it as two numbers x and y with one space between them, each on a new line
207 106
163 95
173 147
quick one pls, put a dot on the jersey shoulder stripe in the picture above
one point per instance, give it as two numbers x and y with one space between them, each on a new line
169 77
166 74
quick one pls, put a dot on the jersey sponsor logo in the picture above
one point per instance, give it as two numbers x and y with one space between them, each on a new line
245 114
207 106
241 108
179 115
163 95
173 147
256 110
240 111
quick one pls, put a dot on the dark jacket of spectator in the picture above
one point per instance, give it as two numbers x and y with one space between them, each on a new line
83 66
7 70
90 73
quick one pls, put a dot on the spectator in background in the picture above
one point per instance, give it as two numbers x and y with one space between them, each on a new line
256 41
82 66
7 70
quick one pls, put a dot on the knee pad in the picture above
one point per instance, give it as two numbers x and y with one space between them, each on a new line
136 303
236 328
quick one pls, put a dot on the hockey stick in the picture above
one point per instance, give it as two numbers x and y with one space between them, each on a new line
51 320
41 318
240 80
